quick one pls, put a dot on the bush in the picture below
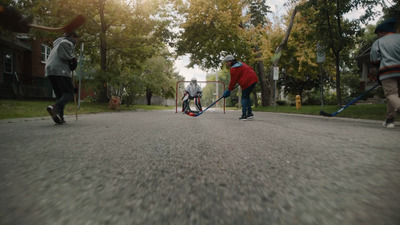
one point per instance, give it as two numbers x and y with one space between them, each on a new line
312 100
281 102
348 100
330 99
91 99
315 99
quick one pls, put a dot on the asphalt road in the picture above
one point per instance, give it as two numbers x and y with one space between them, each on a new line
158 167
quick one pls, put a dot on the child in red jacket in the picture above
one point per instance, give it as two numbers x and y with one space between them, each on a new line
245 76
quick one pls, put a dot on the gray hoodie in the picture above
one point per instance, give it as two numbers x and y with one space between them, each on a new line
57 64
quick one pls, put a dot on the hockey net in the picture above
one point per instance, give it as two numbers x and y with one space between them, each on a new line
212 90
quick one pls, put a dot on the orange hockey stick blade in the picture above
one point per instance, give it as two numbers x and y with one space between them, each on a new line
78 21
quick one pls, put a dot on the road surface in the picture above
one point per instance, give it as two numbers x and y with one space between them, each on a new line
158 167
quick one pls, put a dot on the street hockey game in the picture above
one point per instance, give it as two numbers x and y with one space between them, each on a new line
210 92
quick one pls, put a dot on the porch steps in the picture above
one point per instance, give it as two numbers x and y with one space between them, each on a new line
373 100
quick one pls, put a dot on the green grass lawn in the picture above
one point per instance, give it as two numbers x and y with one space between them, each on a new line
22 109
372 112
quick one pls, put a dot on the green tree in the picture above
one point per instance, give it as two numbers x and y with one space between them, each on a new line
256 27
391 11
117 33
300 71
157 78
211 29
336 32
236 27
127 31
209 90
298 62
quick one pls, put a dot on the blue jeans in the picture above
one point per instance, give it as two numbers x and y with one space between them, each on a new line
246 101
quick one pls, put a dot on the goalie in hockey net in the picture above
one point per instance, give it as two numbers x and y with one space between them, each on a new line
194 92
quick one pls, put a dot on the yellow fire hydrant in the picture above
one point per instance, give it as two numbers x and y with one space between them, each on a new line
298 102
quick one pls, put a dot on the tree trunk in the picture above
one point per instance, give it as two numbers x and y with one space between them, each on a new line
278 53
337 56
338 89
149 94
255 98
265 87
266 92
103 51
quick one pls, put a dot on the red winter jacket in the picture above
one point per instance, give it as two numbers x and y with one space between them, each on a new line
243 74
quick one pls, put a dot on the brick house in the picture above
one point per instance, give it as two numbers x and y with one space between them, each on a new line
22 64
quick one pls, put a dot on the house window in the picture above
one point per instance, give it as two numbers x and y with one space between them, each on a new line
45 53
8 62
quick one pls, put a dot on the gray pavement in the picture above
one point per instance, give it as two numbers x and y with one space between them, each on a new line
158 167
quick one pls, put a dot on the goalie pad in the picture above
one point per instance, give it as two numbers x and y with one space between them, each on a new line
185 97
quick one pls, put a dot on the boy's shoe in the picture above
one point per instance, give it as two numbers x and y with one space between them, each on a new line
250 116
54 115
389 123
244 118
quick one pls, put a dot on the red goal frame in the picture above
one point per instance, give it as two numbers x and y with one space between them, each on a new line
183 81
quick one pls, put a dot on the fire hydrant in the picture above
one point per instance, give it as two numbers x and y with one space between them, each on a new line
298 102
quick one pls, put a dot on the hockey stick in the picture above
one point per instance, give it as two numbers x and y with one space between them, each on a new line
201 112
198 114
75 23
358 98
76 107
12 20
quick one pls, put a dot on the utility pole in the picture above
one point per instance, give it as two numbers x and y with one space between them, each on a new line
276 77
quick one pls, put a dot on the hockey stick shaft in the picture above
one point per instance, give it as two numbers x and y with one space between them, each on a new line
210 106
75 23
214 103
76 107
11 19
358 98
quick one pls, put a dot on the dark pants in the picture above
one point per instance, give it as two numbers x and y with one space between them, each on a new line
185 105
246 101
64 91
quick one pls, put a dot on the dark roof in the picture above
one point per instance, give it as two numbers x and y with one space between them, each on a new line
15 42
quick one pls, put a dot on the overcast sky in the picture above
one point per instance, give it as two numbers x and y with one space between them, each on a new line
277 8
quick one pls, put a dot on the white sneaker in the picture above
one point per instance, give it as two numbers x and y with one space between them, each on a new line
51 109
389 123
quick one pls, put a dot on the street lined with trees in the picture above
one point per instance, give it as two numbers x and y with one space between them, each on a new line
144 166
124 38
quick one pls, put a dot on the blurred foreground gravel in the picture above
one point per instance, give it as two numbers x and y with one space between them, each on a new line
158 167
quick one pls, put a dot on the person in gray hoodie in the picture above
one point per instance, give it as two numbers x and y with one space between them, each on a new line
59 65
385 61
